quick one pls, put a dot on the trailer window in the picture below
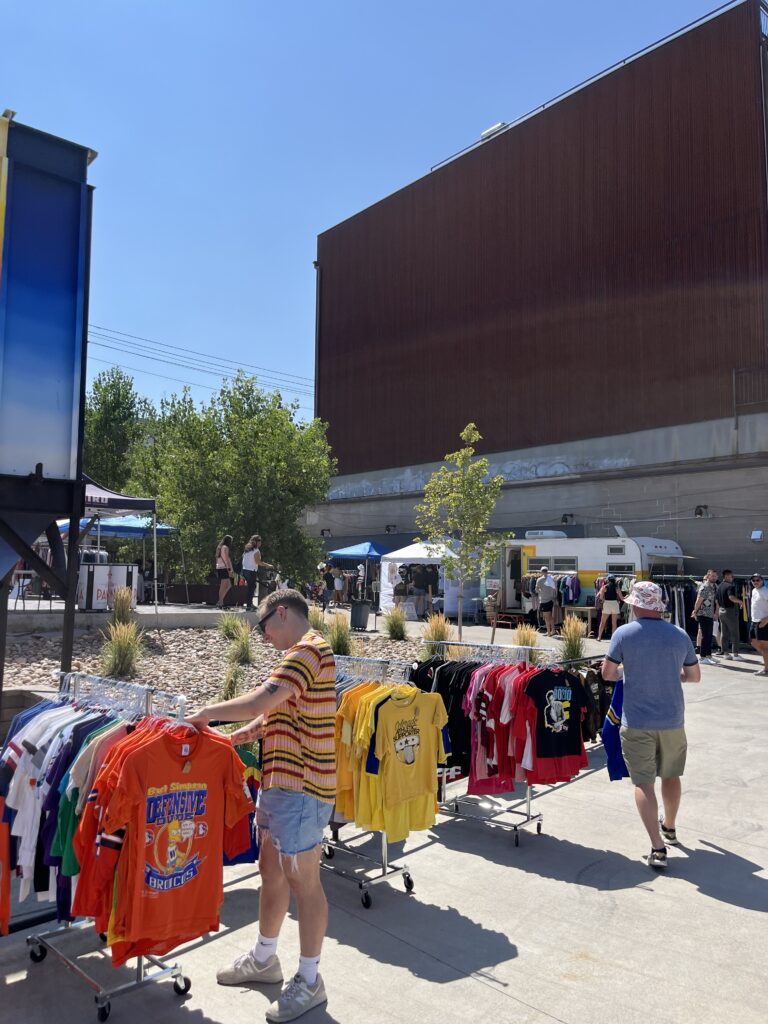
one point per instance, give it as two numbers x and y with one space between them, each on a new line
620 568
555 563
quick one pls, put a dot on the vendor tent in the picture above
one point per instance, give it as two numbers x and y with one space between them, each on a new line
363 553
101 499
121 527
420 554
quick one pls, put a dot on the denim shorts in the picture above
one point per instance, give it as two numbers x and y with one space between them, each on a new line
293 821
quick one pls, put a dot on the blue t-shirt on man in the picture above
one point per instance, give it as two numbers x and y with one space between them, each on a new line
653 653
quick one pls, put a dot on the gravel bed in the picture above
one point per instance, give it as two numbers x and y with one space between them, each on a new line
191 662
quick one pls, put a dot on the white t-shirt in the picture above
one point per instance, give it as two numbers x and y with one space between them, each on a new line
249 560
759 603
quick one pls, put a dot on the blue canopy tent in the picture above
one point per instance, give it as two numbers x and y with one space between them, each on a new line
121 527
366 550
128 527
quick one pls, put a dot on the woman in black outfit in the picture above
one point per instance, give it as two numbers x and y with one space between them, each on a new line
611 597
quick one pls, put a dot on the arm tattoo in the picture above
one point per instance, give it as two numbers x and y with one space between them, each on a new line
271 688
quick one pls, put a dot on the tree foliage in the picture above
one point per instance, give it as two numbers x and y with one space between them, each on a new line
115 420
240 465
457 507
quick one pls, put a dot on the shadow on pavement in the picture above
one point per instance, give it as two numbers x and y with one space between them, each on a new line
434 943
716 872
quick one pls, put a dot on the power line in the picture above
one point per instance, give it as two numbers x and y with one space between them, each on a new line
196 352
191 362
190 366
151 373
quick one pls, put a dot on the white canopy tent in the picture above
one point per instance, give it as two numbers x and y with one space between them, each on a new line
420 554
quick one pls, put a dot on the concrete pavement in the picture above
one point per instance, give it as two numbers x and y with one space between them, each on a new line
570 926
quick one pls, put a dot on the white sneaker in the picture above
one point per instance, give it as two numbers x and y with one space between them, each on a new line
246 970
727 657
761 672
707 661
737 657
296 999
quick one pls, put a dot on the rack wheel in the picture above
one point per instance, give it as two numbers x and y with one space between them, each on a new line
182 985
517 838
408 882
102 1012
103 936
538 828
367 900
37 954
328 852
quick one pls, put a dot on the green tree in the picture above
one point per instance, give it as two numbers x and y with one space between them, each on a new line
115 421
457 507
241 464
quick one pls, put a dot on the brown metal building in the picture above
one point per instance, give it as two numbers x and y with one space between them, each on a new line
598 268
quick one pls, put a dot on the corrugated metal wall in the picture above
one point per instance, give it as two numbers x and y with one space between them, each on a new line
599 268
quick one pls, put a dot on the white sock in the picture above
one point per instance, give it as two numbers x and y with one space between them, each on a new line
264 948
308 966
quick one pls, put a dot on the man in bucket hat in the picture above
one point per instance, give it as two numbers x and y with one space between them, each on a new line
657 658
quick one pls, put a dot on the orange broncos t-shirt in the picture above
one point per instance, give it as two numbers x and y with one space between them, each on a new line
174 796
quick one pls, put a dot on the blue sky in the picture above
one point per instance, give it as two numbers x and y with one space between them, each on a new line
231 134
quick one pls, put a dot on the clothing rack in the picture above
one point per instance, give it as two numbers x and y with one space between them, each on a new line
384 670
450 806
135 700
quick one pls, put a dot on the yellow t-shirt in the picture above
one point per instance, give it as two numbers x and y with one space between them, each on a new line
408 746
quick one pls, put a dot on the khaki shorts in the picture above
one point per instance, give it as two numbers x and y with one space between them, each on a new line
652 753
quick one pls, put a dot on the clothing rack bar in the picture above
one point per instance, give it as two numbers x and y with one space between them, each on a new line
40 943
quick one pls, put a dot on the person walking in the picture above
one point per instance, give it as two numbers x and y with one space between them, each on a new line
610 597
704 613
252 564
294 712
546 589
759 617
728 605
225 571
655 658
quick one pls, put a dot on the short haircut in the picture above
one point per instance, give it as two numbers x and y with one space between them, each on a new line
287 598
727 572
712 570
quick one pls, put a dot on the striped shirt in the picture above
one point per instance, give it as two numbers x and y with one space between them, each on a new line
298 748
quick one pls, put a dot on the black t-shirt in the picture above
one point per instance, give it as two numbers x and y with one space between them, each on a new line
419 577
559 698
328 581
611 592
724 592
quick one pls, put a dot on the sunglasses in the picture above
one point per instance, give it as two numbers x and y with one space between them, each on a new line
260 625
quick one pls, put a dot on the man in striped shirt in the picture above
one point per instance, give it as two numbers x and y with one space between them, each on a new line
294 713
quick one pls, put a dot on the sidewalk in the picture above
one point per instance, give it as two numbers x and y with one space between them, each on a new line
570 926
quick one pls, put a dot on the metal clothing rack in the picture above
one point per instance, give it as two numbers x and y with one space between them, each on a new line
135 700
385 671
450 806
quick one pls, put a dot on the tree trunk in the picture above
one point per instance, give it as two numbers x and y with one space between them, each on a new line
460 605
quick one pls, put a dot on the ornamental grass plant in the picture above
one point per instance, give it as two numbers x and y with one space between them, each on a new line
436 629
394 624
123 645
317 620
339 634
527 636
229 625
121 605
573 632
240 651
